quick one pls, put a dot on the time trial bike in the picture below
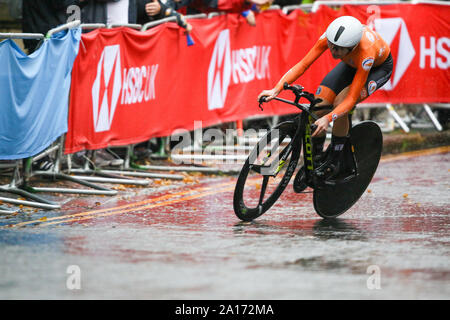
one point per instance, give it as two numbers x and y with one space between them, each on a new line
272 162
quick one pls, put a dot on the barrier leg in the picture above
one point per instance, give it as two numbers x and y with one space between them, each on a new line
161 154
208 170
129 168
432 117
6 210
141 170
56 174
397 118
25 191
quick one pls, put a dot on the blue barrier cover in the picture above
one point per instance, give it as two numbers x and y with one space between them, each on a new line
34 94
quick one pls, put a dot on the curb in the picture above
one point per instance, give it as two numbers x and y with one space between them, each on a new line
394 143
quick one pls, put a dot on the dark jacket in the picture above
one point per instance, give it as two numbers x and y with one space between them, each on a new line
39 16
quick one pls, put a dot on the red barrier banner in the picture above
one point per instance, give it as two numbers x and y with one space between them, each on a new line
129 86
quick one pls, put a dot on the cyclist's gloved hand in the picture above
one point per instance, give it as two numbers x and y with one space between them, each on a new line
322 126
267 95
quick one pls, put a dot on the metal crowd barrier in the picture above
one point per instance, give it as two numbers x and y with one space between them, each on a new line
22 170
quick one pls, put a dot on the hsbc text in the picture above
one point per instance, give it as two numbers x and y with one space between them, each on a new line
251 63
139 84
430 48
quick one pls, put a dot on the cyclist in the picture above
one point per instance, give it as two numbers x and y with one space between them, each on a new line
365 67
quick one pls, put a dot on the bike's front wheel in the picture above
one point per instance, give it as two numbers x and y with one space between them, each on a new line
266 172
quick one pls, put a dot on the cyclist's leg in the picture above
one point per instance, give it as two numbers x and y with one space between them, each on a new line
327 95
333 164
326 92
376 79
341 125
332 90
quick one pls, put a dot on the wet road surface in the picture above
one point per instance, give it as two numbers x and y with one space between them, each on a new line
183 241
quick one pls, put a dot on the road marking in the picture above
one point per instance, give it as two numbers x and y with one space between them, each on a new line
146 204
130 205
150 206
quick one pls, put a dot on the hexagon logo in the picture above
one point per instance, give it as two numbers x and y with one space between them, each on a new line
391 29
106 88
219 72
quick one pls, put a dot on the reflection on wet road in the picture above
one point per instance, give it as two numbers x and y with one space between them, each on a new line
184 242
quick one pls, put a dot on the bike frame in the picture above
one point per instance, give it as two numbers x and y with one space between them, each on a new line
304 122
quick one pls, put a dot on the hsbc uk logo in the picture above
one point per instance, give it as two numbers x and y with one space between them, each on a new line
388 30
433 52
236 66
135 85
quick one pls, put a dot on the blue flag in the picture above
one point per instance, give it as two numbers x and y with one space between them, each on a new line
34 94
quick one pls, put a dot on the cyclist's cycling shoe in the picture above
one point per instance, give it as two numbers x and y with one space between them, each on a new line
320 158
334 172
300 181
328 170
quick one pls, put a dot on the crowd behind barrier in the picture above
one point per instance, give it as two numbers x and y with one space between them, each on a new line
24 138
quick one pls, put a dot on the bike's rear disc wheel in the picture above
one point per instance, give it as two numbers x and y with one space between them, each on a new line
256 189
332 201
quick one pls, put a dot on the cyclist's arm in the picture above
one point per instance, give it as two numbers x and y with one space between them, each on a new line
296 71
352 97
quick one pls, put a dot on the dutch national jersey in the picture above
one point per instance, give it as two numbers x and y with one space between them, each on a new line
371 51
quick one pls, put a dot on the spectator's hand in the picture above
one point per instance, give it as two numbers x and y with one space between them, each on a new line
251 19
262 2
153 8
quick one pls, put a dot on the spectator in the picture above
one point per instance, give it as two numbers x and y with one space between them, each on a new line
109 11
246 7
206 6
283 3
39 16
150 10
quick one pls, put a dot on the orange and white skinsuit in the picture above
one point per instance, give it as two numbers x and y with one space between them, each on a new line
371 51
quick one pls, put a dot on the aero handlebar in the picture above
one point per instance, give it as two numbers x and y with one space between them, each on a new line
299 93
